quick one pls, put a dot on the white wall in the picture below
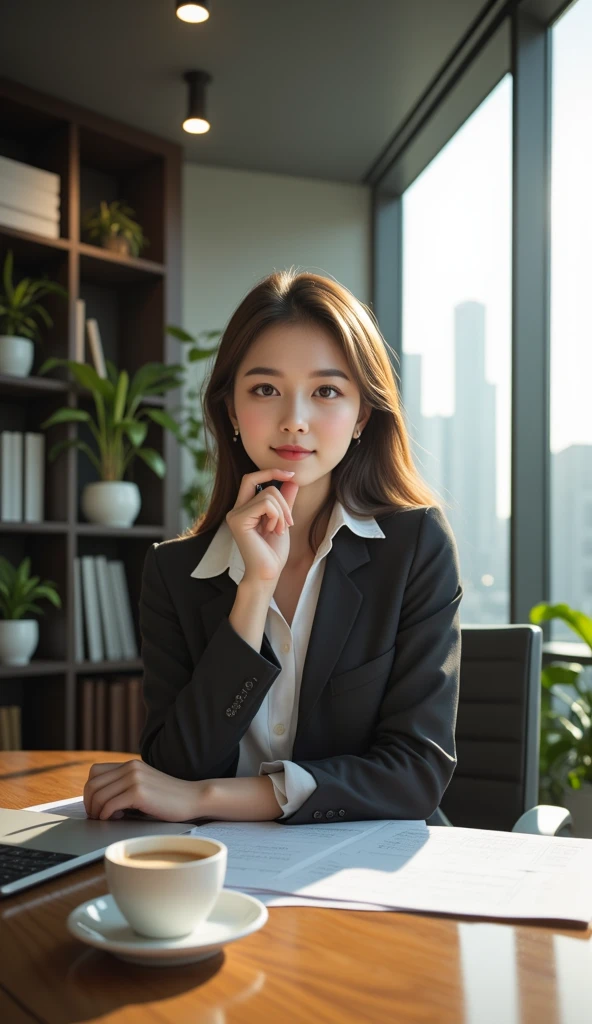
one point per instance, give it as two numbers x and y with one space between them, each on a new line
239 226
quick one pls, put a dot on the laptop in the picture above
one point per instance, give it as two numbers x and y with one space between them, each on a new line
38 845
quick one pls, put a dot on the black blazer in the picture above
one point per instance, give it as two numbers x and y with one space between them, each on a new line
379 693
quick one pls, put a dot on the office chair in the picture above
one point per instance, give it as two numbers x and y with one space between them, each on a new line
496 781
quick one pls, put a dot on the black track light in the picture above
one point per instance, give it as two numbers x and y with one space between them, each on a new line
196 121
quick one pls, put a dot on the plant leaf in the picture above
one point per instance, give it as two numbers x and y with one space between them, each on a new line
154 460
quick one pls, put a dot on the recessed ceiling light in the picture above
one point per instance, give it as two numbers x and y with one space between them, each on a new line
193 12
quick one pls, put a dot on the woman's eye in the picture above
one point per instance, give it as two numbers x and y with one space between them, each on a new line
323 387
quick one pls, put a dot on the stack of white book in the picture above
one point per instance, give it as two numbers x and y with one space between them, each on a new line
102 604
29 198
22 476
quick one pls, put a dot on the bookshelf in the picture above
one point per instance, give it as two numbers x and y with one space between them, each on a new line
132 299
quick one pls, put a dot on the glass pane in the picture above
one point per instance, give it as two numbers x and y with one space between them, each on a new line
571 316
456 372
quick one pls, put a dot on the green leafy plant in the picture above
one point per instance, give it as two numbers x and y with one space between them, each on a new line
20 308
114 220
191 426
19 590
566 734
120 426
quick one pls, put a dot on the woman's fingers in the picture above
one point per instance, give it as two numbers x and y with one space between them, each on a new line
105 774
123 787
249 482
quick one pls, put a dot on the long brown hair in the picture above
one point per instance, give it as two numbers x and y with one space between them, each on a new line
376 476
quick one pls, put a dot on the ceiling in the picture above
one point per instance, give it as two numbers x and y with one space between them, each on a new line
311 88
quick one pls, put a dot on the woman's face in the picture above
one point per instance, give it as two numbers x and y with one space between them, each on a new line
294 387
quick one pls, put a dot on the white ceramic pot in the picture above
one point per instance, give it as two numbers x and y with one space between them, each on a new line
18 640
579 804
111 502
16 355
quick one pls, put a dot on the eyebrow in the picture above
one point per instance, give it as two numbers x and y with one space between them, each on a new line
268 371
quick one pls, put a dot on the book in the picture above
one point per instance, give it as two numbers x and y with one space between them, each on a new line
80 328
17 475
94 636
86 715
5 737
78 619
117 715
14 720
28 175
28 199
34 473
107 609
96 347
100 716
29 222
123 608
136 714
6 483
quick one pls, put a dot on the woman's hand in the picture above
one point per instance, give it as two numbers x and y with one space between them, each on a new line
260 521
116 786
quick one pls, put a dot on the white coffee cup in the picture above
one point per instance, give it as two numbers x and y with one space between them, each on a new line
160 895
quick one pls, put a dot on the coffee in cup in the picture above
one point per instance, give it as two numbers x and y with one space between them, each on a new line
165 885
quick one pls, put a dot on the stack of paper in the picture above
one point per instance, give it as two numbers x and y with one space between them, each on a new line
406 865
403 865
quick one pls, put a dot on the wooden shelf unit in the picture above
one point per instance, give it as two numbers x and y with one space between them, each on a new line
133 300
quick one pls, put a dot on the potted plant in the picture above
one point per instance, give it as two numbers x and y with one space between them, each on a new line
112 226
191 426
119 430
20 311
566 731
19 592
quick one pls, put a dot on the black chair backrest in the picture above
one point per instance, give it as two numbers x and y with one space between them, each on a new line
498 726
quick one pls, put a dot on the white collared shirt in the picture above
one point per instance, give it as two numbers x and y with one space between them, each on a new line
266 747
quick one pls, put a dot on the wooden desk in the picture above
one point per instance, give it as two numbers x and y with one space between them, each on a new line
306 965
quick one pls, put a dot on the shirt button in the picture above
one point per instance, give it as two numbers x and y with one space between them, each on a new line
286 647
279 729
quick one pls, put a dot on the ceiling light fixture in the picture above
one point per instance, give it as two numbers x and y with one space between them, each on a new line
193 12
196 121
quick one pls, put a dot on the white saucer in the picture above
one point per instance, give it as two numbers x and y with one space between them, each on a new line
100 923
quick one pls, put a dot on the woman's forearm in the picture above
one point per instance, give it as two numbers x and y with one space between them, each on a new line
238 799
249 611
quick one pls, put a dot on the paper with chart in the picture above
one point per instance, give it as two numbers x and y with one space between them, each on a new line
410 866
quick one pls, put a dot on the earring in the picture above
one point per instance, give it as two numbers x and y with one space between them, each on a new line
358 438
236 432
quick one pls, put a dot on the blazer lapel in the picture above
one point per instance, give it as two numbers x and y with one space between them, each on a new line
337 609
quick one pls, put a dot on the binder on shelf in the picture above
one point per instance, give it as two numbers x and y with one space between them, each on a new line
34 476
107 608
29 199
100 730
80 323
78 617
92 618
17 475
29 176
96 348
5 737
123 609
29 222
6 480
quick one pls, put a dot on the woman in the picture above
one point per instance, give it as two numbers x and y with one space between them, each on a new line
301 643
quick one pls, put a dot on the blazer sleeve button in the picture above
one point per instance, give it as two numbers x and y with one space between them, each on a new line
318 814
341 814
330 814
229 712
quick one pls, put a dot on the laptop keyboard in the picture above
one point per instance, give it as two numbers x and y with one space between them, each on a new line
19 862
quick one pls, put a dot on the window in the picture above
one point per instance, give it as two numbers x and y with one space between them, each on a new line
571 315
456 372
